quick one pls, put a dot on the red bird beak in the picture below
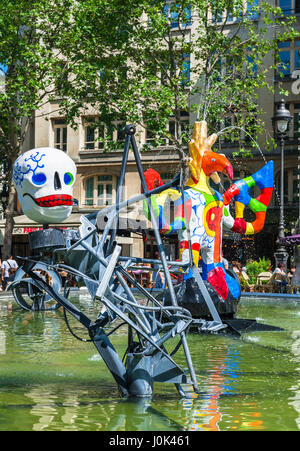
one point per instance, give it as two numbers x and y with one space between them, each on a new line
229 171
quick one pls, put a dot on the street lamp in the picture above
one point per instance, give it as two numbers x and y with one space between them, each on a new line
281 122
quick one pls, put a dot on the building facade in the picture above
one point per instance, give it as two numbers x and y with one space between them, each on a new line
99 168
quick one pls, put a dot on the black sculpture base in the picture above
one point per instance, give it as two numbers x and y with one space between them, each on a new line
51 238
190 297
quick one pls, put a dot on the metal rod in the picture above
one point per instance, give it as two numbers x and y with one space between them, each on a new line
154 221
153 261
126 203
281 213
281 255
119 193
163 258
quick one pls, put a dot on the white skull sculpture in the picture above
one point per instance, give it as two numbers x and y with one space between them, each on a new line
44 179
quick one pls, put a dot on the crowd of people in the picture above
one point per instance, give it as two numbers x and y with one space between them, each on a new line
9 267
280 276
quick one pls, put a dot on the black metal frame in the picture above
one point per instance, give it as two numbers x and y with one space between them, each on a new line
150 325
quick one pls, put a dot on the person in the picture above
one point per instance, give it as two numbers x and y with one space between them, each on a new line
158 275
292 271
280 269
8 269
237 267
225 263
282 277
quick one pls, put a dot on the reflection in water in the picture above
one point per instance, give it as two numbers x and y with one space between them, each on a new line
44 408
2 342
296 388
69 412
205 410
50 381
53 410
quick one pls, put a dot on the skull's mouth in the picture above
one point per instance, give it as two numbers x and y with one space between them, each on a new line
52 201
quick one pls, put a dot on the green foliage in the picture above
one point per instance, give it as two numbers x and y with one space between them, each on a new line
133 58
254 268
32 69
130 61
30 64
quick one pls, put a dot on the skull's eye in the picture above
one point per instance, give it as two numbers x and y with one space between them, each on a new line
39 179
68 178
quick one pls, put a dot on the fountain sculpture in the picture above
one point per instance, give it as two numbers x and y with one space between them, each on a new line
206 301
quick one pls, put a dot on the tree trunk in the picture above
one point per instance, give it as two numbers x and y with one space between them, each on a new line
10 209
9 224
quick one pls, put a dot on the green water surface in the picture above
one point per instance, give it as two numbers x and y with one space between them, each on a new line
50 381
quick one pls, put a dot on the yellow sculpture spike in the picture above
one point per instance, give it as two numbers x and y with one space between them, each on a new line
199 144
200 132
212 139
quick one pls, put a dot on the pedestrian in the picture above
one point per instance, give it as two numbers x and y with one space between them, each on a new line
292 271
225 263
8 269
280 269
158 275
280 277
237 267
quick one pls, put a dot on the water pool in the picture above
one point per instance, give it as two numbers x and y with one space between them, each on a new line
51 381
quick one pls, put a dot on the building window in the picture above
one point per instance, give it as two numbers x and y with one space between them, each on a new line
284 54
100 190
89 192
295 111
186 69
183 132
252 12
104 190
100 136
289 7
286 6
149 138
297 54
220 16
115 135
289 58
152 140
291 186
176 16
120 134
60 134
93 134
294 127
251 67
180 67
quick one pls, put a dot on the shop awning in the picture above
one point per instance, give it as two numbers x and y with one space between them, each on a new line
293 239
24 225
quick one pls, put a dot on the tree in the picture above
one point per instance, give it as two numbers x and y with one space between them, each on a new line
136 61
146 64
31 65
